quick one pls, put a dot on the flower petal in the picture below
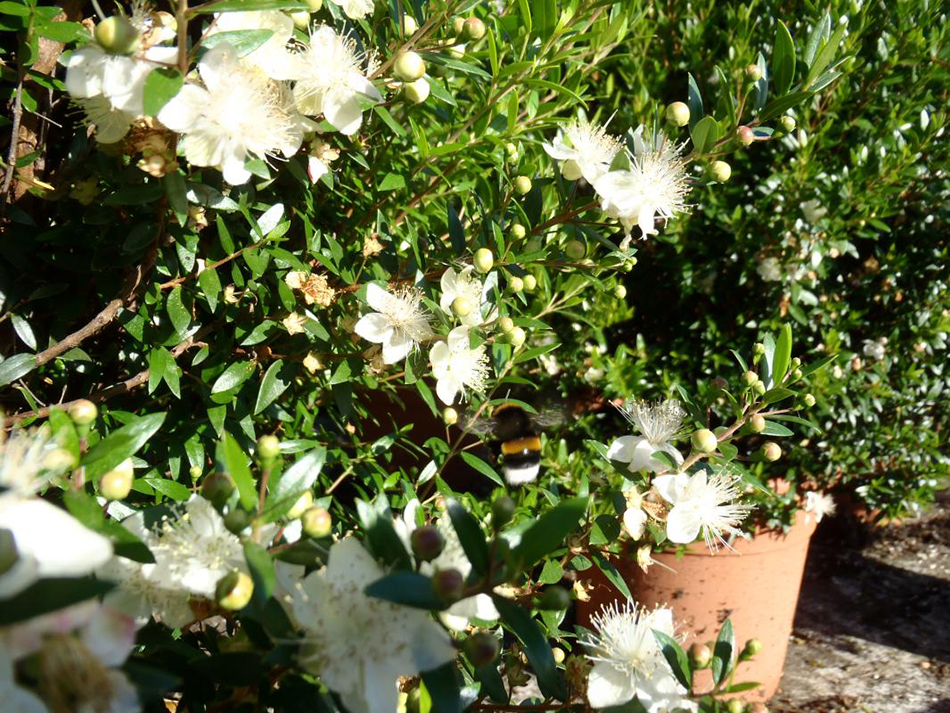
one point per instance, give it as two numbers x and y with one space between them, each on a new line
377 297
374 327
183 110
683 523
671 487
343 112
397 347
606 686
624 448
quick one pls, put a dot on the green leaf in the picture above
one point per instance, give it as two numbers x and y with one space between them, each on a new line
824 57
261 566
783 354
272 386
294 482
777 394
783 104
23 330
775 429
470 536
676 658
249 5
243 41
210 285
694 101
705 134
822 28
391 181
806 370
161 86
611 573
482 467
410 589
233 461
549 532
15 367
233 376
49 595
177 312
535 644
783 59
724 653
121 444
62 31
382 537
442 685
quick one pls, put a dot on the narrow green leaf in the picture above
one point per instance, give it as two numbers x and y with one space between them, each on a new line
243 41
676 658
783 59
261 566
49 595
233 376
611 573
442 685
121 444
382 537
161 86
470 535
272 385
783 104
549 532
179 315
482 467
15 367
783 354
825 56
410 589
536 646
233 461
210 285
694 101
724 653
705 134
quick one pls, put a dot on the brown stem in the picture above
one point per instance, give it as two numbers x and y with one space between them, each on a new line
14 142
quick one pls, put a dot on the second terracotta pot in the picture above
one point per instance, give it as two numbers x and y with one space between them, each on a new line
756 587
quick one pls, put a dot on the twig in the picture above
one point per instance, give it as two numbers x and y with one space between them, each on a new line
14 143
115 390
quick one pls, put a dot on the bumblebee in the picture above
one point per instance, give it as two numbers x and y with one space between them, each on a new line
515 435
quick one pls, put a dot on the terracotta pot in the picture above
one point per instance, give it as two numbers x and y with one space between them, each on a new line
756 587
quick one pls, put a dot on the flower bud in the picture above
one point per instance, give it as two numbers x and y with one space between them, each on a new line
700 655
427 542
268 447
237 521
481 649
417 91
409 25
788 123
317 522
409 66
195 472
458 25
8 551
757 423
771 452
720 171
517 337
758 349
314 5
677 114
522 185
448 585
752 648
234 590
745 135
554 599
450 416
559 655
575 249
301 19
753 72
749 378
620 292
502 510
512 151
797 374
517 231
217 488
795 363
515 284
461 306
704 440
483 260
759 388
83 412
735 705
530 282
304 503
116 35
116 484
473 29
808 400
506 324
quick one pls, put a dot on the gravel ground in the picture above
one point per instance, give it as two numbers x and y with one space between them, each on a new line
872 629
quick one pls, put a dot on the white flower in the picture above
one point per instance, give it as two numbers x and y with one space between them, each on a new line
24 456
49 543
399 322
453 556
110 87
321 156
657 423
584 149
272 57
819 504
655 185
356 9
770 269
813 211
628 661
465 284
240 113
634 517
701 504
875 349
332 82
78 651
455 365
193 550
359 645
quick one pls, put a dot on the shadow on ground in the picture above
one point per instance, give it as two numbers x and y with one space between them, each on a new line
872 629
